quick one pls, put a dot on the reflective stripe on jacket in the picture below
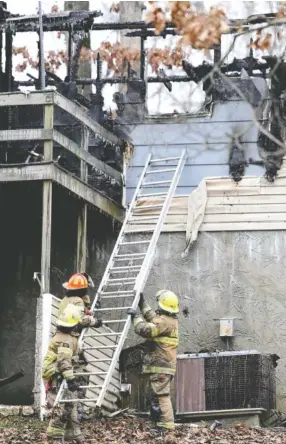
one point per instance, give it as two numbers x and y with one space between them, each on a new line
161 332
63 347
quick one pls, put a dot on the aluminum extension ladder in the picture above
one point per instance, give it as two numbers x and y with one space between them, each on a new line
126 274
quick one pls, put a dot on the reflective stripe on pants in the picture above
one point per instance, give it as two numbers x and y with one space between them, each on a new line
160 396
64 422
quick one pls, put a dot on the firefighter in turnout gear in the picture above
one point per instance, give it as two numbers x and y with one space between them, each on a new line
58 362
160 328
77 294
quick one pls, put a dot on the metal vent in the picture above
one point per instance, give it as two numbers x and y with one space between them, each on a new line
237 382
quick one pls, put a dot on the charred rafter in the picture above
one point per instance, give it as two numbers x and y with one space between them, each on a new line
79 20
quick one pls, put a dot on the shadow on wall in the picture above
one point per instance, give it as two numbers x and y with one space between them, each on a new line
20 240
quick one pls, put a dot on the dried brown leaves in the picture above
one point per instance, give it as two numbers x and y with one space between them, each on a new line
200 30
116 55
262 42
131 431
157 17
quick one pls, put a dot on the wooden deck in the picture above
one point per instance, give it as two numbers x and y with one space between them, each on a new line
49 170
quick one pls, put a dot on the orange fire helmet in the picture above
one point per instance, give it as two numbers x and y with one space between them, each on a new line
76 282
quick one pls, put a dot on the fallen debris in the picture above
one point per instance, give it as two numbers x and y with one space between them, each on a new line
129 431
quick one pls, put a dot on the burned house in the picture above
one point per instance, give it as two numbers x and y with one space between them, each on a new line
221 248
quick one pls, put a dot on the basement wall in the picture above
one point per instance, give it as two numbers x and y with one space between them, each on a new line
226 274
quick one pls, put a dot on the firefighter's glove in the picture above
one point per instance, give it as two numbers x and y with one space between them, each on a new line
132 312
73 385
98 323
141 301
88 312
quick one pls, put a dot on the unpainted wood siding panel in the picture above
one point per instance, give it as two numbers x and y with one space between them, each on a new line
252 204
190 385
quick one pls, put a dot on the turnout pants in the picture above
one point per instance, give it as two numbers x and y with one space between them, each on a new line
161 400
64 417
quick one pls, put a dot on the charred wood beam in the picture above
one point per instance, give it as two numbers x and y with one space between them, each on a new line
65 142
85 19
142 59
79 20
1 46
114 80
150 33
52 97
138 25
12 378
8 59
69 53
79 39
51 171
86 156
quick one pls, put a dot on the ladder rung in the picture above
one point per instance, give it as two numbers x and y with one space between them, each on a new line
164 159
82 400
126 271
99 347
118 283
131 292
112 309
132 255
159 182
90 373
142 196
115 321
90 361
136 243
119 280
101 334
116 296
124 268
90 386
166 170
143 218
148 207
134 259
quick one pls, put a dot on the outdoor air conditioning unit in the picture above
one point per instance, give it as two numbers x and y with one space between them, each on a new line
225 380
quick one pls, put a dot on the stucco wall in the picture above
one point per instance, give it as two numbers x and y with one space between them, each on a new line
235 274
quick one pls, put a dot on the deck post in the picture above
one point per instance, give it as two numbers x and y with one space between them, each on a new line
45 260
82 215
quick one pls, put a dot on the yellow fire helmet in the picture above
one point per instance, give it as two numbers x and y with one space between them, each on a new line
69 317
168 301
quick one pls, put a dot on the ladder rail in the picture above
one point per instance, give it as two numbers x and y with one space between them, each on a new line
143 274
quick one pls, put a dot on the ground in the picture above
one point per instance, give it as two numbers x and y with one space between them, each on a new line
131 430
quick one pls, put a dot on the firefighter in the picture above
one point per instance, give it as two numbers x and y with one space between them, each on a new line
58 362
77 294
161 330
